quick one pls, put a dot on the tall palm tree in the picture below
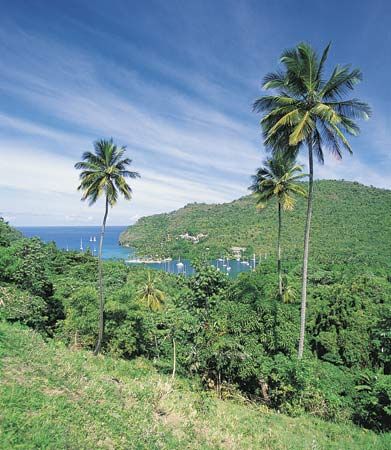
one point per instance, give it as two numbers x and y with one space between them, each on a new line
278 179
306 109
104 173
151 295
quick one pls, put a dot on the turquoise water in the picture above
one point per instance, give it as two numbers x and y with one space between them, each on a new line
73 238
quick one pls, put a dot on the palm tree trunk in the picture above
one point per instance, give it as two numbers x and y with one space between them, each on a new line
100 276
174 358
306 252
279 251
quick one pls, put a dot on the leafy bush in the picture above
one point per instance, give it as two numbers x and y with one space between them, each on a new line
8 234
343 317
23 307
381 340
372 401
81 317
205 285
26 264
310 386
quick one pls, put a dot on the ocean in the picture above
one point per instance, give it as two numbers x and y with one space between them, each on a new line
75 237
84 238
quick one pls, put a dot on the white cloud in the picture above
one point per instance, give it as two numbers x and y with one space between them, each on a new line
73 218
196 144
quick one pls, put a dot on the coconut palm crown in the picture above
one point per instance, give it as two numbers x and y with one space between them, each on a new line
306 107
105 172
278 178
150 295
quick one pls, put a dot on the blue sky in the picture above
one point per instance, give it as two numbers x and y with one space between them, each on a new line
174 81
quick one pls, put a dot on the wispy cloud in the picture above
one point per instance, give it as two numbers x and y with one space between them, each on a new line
187 120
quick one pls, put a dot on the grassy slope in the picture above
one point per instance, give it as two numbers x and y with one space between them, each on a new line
54 398
348 217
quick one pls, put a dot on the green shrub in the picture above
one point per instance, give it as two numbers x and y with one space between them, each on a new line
23 307
81 317
26 264
8 234
372 401
310 386
343 317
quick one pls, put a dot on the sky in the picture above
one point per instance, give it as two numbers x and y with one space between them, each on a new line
173 81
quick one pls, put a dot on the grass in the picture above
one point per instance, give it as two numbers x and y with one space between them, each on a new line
55 398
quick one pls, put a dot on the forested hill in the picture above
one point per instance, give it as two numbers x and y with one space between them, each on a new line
349 220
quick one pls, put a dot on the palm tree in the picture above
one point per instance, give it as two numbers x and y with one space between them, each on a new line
289 293
150 295
278 179
308 110
104 173
154 299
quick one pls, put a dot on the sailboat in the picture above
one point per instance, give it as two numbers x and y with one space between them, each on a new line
94 239
180 266
81 244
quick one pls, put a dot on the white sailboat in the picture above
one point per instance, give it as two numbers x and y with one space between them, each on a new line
81 244
180 266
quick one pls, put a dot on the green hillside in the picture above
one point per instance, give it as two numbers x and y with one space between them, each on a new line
53 398
349 219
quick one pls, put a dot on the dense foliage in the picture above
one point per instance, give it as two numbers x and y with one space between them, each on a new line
349 220
7 233
233 335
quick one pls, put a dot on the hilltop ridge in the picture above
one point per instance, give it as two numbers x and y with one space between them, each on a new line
349 219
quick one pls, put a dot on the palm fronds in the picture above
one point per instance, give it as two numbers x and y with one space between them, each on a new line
306 107
103 173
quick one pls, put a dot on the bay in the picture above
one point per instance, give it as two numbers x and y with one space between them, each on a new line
84 238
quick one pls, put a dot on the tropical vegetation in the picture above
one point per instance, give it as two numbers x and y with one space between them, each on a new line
206 360
350 220
233 337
